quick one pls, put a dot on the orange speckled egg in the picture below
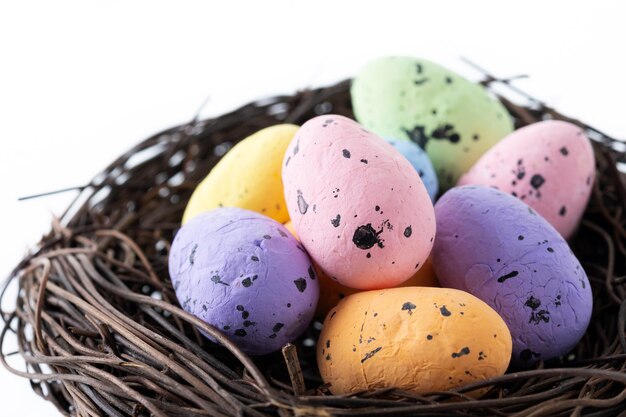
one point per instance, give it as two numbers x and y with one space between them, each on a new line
415 338
331 292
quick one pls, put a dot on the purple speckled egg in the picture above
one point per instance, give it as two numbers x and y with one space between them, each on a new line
497 248
246 275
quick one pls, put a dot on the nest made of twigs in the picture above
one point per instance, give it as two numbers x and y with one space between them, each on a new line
101 332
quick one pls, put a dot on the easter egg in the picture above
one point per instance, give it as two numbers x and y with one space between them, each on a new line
549 165
357 204
246 275
414 338
454 120
331 292
495 247
420 161
248 177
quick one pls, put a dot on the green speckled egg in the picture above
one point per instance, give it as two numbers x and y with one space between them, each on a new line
454 120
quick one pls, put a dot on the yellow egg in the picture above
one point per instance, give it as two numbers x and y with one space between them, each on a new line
414 338
248 176
331 292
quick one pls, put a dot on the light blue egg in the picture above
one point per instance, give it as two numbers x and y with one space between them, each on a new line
421 162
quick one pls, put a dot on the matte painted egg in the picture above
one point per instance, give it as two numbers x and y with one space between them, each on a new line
454 120
420 161
246 275
549 165
248 176
415 338
331 292
494 246
359 207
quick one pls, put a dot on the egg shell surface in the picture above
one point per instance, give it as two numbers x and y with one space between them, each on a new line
420 161
332 292
359 207
414 338
246 275
248 177
494 246
454 120
549 165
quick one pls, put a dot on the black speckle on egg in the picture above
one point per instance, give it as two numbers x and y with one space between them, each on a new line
408 231
408 306
246 282
537 181
226 327
303 206
277 327
365 237
550 250
464 351
327 344
562 211
240 332
345 153
254 258
564 151
335 221
364 161
520 237
300 284
446 132
192 255
511 274
369 255
533 303
537 317
248 323
429 337
311 273
371 353
444 311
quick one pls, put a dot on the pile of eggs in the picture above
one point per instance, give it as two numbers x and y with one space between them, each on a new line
430 235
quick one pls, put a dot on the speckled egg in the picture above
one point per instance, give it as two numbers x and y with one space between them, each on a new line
358 206
454 120
549 165
496 247
331 292
416 339
248 176
420 161
246 275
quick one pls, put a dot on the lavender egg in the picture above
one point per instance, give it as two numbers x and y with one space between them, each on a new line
495 247
246 275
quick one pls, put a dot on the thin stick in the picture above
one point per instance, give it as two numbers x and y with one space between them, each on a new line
290 353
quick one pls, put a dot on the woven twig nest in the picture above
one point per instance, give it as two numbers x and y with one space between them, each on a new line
101 332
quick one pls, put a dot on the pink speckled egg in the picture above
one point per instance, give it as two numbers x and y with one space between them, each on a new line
549 165
359 207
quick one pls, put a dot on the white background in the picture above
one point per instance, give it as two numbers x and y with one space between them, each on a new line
81 81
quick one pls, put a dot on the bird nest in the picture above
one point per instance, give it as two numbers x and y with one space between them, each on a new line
100 331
